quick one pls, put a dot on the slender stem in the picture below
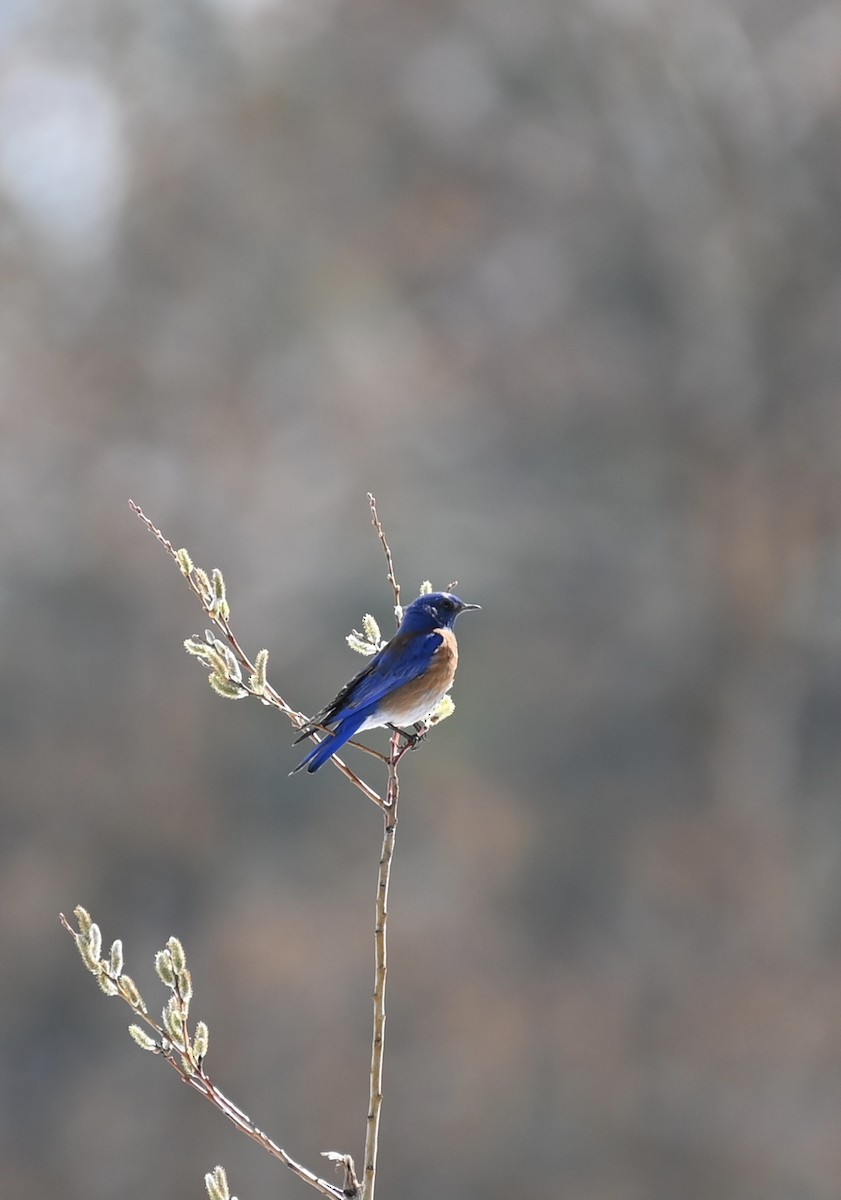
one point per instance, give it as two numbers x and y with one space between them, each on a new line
389 561
191 1071
398 746
203 1085
375 1093
274 697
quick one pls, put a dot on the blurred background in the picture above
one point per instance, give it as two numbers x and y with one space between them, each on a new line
561 284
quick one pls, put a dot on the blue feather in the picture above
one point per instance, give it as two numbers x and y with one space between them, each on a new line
406 658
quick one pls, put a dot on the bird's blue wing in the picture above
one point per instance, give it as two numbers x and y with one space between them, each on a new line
405 658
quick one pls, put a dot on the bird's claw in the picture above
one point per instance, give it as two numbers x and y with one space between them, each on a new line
413 736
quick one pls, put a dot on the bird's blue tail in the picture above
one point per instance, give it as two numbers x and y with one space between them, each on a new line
334 741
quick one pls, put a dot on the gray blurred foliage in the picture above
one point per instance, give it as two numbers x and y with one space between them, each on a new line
561 284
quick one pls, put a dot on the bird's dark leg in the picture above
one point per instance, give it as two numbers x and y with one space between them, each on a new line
414 735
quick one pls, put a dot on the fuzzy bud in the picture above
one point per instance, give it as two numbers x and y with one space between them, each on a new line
173 1023
197 648
359 643
225 688
176 951
204 583
83 917
258 679
106 983
201 1040
443 709
216 1182
219 606
84 947
94 941
129 991
143 1040
371 629
185 985
115 958
163 966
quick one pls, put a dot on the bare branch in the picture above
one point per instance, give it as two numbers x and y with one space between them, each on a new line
234 674
200 584
392 579
173 1042
375 1091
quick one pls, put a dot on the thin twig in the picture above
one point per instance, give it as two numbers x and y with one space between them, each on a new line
392 579
397 748
191 1071
205 1087
222 623
375 1093
399 744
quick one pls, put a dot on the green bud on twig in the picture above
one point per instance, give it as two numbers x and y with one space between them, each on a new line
90 960
216 1182
83 917
106 983
258 679
203 581
144 1041
219 606
359 643
115 959
130 993
370 640
185 985
201 1040
443 709
176 951
221 656
196 648
225 688
173 1022
94 941
163 966
371 629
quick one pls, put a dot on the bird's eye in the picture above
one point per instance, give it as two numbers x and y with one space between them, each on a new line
447 605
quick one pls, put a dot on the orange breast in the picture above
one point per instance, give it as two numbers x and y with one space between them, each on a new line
414 700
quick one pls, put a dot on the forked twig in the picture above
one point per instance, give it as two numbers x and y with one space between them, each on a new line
269 694
392 578
183 1058
172 1039
397 748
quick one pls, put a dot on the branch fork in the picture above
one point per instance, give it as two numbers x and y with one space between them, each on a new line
234 675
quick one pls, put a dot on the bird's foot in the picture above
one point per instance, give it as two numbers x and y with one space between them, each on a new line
413 736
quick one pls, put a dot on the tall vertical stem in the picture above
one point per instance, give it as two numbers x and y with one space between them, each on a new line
375 1094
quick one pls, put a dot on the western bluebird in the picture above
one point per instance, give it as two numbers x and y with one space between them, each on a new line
401 684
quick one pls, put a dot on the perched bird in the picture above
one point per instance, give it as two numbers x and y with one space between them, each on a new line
401 684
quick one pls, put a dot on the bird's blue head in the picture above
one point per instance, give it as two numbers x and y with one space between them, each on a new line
435 610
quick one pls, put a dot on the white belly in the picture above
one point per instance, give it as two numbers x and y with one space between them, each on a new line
416 700
403 714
